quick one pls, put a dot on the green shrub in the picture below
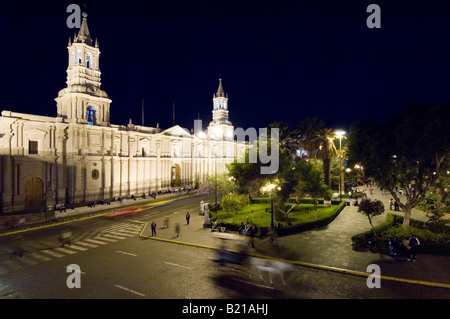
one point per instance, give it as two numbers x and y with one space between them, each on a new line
430 242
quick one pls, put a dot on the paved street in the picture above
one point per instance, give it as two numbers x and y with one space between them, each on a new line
116 263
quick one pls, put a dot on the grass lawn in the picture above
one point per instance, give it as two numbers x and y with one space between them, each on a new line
256 214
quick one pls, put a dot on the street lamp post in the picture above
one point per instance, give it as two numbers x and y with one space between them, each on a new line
268 189
340 134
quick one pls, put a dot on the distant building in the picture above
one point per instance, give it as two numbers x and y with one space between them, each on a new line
79 156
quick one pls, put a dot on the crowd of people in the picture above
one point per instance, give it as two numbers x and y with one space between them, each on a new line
405 248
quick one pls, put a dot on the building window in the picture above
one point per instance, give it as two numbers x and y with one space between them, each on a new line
32 147
90 115
95 174
89 60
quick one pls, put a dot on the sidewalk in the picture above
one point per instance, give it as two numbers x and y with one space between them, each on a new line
326 247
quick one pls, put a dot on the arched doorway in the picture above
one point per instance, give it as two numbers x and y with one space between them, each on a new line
34 193
175 175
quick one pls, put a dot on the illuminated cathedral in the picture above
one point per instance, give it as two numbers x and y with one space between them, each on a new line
78 156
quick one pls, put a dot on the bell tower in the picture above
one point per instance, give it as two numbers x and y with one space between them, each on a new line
220 127
83 100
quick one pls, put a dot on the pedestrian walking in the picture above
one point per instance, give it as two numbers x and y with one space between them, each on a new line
396 206
177 230
65 237
391 203
153 224
413 242
188 216
21 223
166 222
18 246
252 234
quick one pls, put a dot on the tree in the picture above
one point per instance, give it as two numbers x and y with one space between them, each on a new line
288 140
222 183
304 178
234 202
327 149
307 132
371 209
247 175
408 152
435 210
318 141
311 183
292 178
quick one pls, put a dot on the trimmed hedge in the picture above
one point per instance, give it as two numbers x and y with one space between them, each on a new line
430 243
291 200
289 230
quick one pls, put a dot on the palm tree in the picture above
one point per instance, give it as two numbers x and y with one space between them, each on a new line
307 133
327 149
287 137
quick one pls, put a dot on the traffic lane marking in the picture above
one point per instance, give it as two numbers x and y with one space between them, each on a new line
126 253
177 265
129 290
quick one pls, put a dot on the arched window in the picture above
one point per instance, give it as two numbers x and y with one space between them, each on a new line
78 56
90 115
72 59
89 60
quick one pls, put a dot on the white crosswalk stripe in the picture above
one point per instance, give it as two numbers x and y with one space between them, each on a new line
113 236
65 250
128 232
40 257
72 246
96 241
82 243
52 253
106 239
48 249
28 261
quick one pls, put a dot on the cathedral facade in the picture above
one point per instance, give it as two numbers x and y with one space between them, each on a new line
79 156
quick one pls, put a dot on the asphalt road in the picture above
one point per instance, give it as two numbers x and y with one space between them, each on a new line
114 263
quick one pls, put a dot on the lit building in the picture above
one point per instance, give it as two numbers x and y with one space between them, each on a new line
79 156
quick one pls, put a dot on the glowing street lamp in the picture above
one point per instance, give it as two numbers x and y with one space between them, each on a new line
268 189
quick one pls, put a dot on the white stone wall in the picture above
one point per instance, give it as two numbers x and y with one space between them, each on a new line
78 163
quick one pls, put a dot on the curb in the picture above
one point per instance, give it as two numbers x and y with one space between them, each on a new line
309 265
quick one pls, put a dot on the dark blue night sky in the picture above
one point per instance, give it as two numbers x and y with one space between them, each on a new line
279 60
